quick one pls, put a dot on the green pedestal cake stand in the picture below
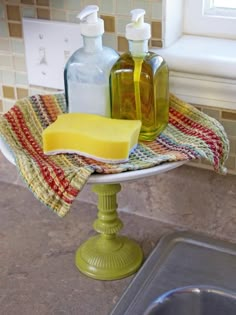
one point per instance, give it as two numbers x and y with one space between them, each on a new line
108 256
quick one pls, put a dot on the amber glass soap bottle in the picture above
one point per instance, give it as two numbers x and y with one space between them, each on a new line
139 82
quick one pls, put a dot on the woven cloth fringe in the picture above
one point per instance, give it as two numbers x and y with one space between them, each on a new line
57 180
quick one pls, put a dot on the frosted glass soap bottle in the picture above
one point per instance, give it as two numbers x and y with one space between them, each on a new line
86 74
139 82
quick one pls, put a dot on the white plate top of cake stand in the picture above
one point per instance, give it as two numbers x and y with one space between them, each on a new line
111 178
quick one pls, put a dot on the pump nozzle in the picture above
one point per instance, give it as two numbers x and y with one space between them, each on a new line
137 16
89 14
90 24
138 30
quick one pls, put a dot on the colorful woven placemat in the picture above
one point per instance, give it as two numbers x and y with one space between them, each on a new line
57 180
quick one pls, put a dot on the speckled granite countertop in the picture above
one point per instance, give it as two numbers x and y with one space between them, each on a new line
37 273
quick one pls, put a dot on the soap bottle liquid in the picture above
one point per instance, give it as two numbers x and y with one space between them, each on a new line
86 74
139 82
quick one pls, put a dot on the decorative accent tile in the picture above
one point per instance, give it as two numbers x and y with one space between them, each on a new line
13 13
42 2
214 113
43 14
4 44
29 12
27 1
15 30
109 23
156 43
8 91
8 77
21 93
18 46
228 115
156 30
4 29
13 1
122 44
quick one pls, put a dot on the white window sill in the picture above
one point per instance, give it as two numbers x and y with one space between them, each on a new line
203 70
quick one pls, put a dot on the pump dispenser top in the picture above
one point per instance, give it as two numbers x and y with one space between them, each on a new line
138 33
138 30
90 25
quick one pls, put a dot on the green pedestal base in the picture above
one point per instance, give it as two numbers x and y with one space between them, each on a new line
108 256
106 259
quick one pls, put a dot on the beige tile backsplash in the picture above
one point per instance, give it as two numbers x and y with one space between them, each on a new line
109 23
13 76
228 115
21 93
13 13
43 13
15 29
8 92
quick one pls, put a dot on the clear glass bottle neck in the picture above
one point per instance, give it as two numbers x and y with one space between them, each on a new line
92 44
138 48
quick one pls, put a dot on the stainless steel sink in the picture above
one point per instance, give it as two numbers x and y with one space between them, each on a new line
194 300
181 260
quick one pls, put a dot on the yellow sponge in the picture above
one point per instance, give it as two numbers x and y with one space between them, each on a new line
101 138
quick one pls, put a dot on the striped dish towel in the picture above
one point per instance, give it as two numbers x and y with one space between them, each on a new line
57 180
